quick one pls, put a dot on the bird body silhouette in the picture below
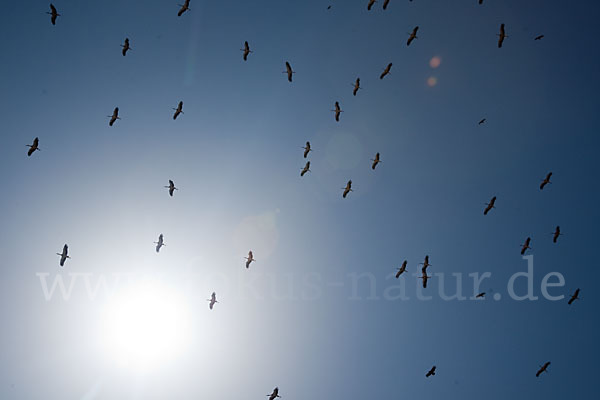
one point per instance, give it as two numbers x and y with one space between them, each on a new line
64 255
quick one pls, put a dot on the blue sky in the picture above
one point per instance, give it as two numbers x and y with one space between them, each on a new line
236 155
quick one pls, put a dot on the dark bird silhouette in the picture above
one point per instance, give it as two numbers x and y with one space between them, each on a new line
401 270
556 234
249 259
307 149
574 297
246 50
114 116
490 205
371 2
386 71
337 111
274 395
347 189
212 300
425 264
160 243
171 188
375 160
53 14
64 255
543 368
305 169
425 278
125 47
482 121
385 4
501 36
431 372
413 36
329 7
546 181
184 7
33 147
480 1
288 71
540 37
526 246
356 86
178 110
480 295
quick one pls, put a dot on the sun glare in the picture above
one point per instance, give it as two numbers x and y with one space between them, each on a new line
146 325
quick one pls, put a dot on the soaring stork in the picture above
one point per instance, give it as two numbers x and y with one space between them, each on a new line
490 205
125 47
274 395
178 110
556 234
337 111
305 169
425 278
288 71
246 50
413 36
356 86
385 4
539 37
430 372
160 243
307 149
526 246
114 116
401 270
386 71
574 296
375 160
425 264
347 189
501 36
64 255
543 368
212 300
546 181
33 147
53 13
480 295
249 259
184 7
171 187
482 121
371 2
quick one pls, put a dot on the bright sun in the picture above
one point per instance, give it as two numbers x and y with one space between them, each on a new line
146 325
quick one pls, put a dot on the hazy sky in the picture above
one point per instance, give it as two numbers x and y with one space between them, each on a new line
295 319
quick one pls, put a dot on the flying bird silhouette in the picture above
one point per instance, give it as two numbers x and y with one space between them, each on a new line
246 51
385 4
274 395
413 36
64 255
171 187
307 149
386 71
347 189
431 372
556 234
543 368
526 246
288 71
574 296
53 14
545 181
160 243
482 121
305 169
356 86
33 147
184 7
401 270
371 2
178 110
480 295
337 111
539 37
212 300
125 47
490 205
501 36
114 116
376 161
249 259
